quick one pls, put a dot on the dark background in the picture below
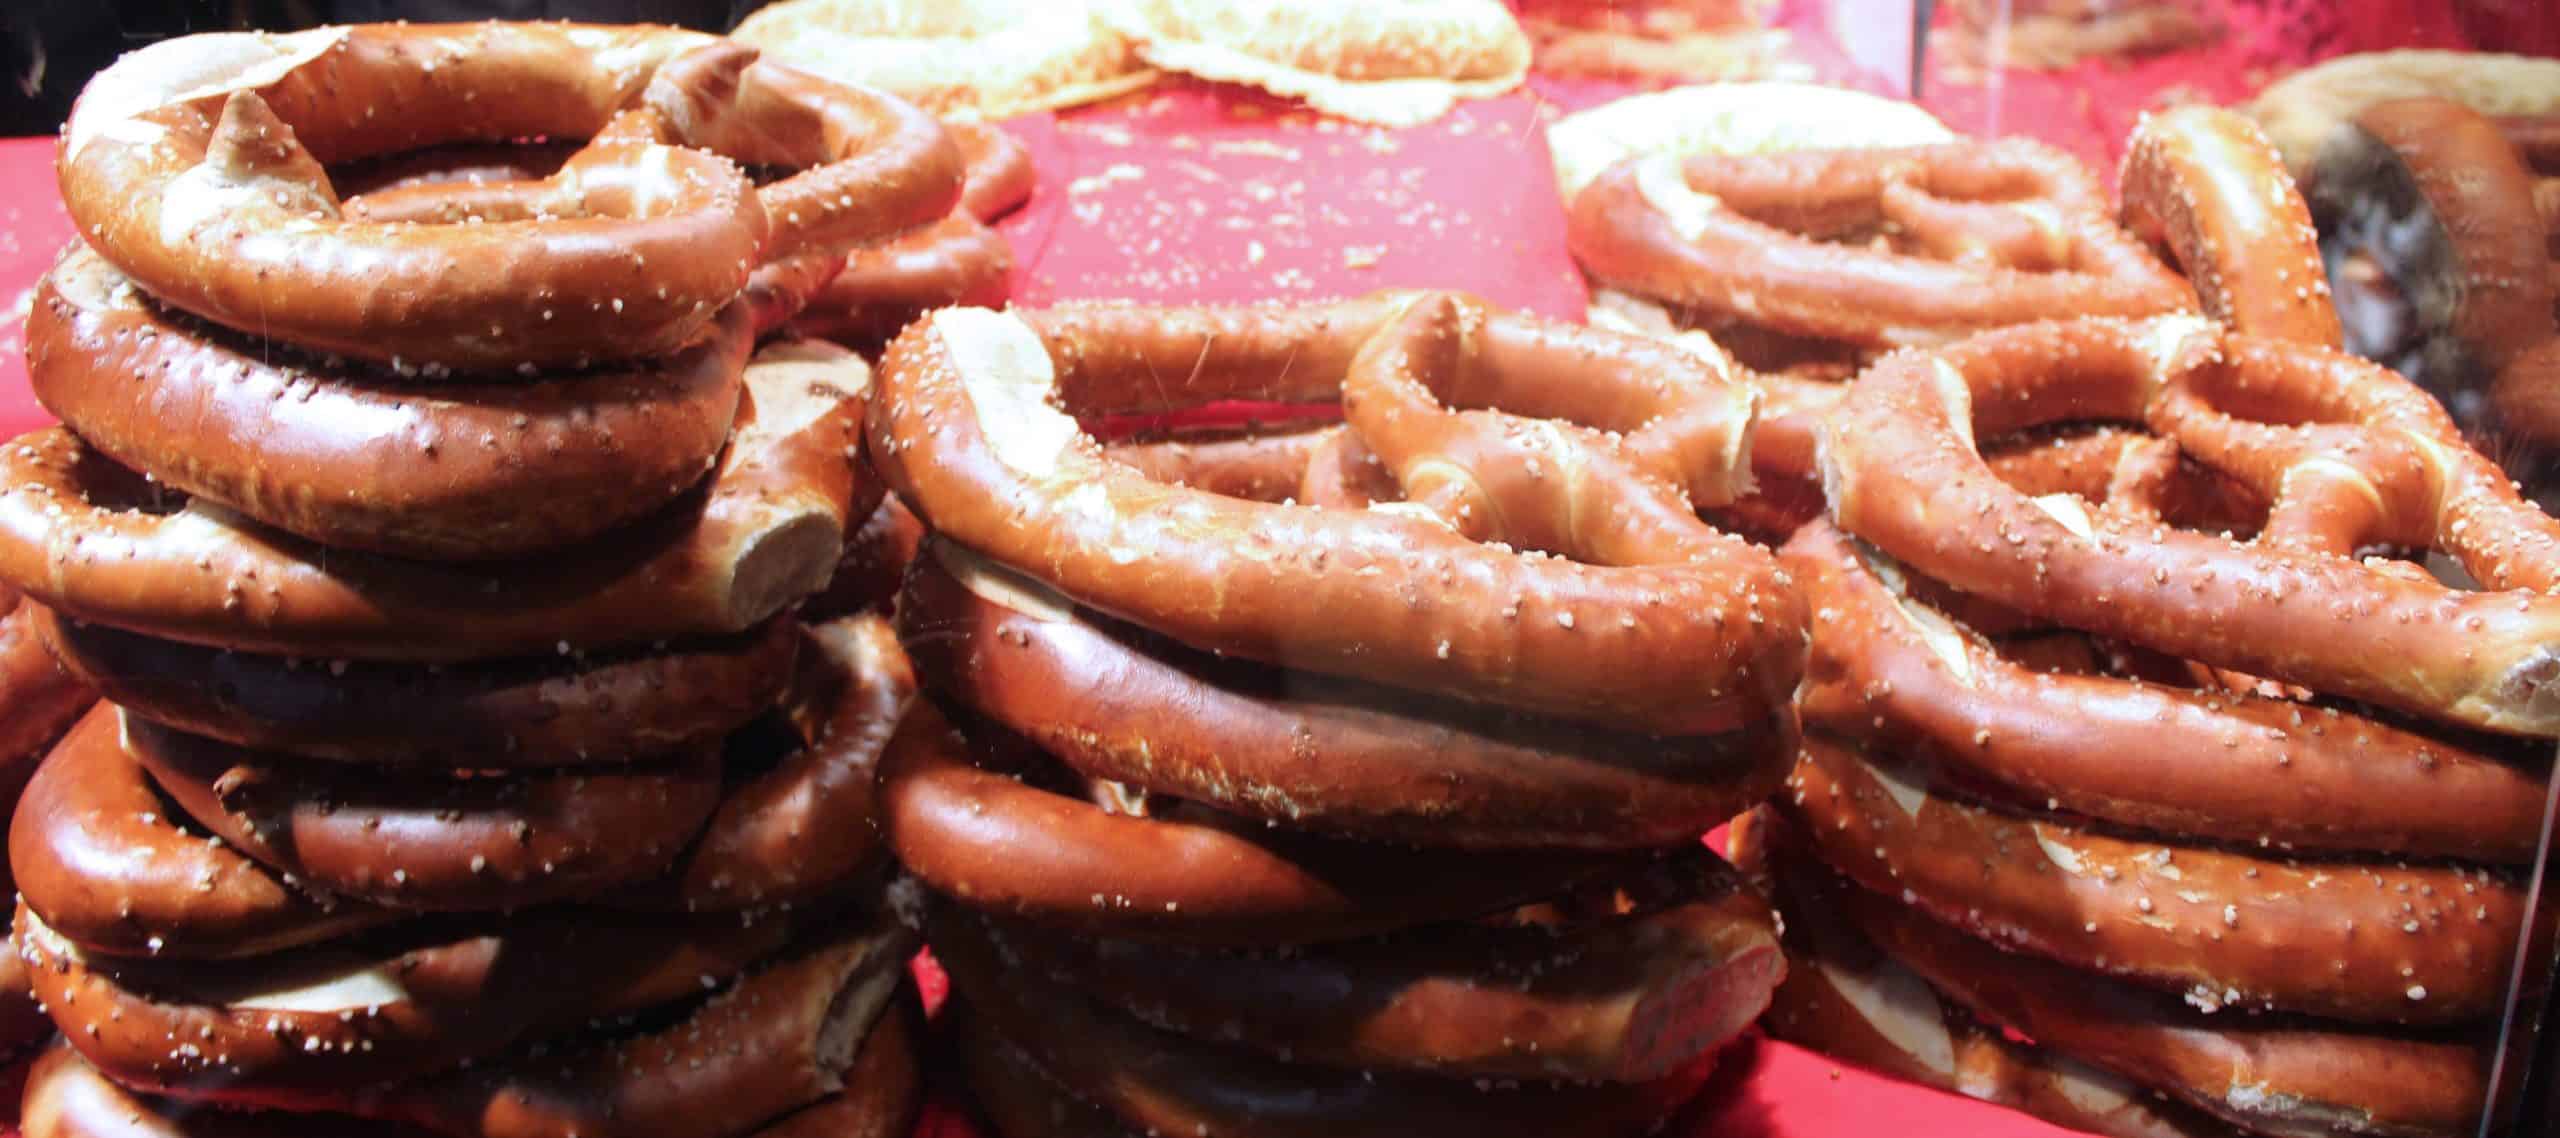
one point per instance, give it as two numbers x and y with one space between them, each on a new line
49 48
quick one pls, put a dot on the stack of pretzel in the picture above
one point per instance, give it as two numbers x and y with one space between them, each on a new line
2153 781
1343 779
465 766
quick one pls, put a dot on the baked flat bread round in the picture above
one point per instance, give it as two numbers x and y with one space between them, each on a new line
1392 62
961 59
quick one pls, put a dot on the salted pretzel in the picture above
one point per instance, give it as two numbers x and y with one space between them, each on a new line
2350 456
2222 765
1852 1003
1640 974
962 817
99 856
1685 634
429 839
781 1039
94 542
548 712
957 260
44 698
2261 1073
2437 198
2204 182
2419 944
305 1029
1160 1082
196 166
1751 237
355 458
805 827
1309 751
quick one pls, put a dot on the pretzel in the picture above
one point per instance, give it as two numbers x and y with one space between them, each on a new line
777 1041
537 713
1742 236
309 1028
67 1098
89 541
196 166
1716 632
99 857
44 699
2224 766
2206 184
875 559
2371 461
1853 1004
2270 1073
2437 191
807 825
1160 1083
1310 751
435 840
2304 110
956 261
349 457
2385 943
1639 977
963 825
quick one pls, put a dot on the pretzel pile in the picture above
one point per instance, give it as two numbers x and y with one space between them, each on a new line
2138 725
465 762
1234 813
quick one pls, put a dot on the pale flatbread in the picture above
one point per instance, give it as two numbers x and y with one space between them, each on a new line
960 59
1393 62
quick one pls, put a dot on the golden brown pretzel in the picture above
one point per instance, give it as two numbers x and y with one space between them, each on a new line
866 165
778 1040
2275 1074
83 537
435 840
964 436
875 559
2438 194
310 1028
1159 1082
1740 236
1854 1004
2350 455
196 166
958 260
1310 751
354 458
1019 850
799 830
44 698
1639 975
2225 766
2204 182
2420 944
97 855
541 712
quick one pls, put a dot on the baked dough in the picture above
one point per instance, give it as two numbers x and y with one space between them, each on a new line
1393 62
957 58
2300 111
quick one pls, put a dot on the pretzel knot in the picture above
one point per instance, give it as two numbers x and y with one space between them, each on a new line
2350 458
1643 617
198 168
1879 247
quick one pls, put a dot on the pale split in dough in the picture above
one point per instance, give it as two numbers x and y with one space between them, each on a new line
1392 62
957 58
2301 110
